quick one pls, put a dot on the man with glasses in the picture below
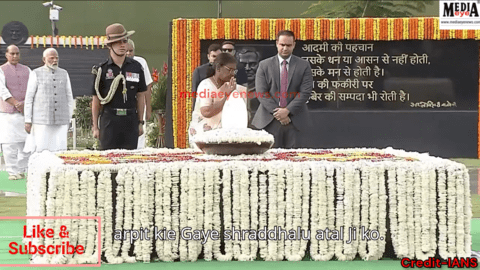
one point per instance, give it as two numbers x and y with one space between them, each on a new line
228 47
118 94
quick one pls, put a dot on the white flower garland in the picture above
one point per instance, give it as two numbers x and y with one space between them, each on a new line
175 210
262 209
382 211
100 209
410 212
236 212
159 212
412 200
281 206
451 211
245 210
82 211
216 219
200 202
364 203
150 186
137 210
460 249
293 252
239 135
344 215
393 202
128 180
92 249
111 257
403 247
60 201
254 206
272 217
467 214
184 206
323 212
305 211
73 224
209 211
119 207
226 182
191 211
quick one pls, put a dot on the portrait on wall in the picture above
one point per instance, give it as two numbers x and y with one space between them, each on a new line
14 33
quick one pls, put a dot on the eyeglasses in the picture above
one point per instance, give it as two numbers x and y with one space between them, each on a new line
231 69
228 50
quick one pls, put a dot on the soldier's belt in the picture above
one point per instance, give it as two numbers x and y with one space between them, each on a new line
120 112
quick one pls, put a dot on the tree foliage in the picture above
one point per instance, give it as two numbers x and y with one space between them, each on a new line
368 8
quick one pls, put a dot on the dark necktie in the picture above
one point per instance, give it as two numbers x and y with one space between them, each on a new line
283 85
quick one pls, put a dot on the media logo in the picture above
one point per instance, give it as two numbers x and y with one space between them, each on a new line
459 15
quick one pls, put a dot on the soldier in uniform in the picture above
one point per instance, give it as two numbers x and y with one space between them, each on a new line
118 94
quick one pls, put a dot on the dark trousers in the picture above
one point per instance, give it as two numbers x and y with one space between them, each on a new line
118 132
285 136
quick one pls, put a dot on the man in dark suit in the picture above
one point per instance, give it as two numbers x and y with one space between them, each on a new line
283 85
200 73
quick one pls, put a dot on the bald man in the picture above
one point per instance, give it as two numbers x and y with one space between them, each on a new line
13 86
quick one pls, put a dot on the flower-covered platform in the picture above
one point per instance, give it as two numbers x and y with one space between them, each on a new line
340 203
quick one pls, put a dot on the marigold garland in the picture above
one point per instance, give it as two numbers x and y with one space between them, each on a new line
421 28
188 100
221 29
369 26
214 29
208 29
227 28
362 28
175 78
331 24
303 29
235 29
347 29
187 33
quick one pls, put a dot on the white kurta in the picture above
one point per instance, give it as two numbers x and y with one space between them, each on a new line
47 137
13 128
13 135
148 80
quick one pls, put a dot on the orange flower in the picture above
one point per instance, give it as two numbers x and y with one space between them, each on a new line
234 28
208 29
220 28
369 29
309 35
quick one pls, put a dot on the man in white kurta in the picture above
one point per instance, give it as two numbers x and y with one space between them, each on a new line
48 106
148 97
13 86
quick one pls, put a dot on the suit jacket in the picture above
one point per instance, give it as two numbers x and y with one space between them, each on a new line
199 74
267 85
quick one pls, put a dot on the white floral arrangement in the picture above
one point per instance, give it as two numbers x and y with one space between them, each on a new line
223 192
234 135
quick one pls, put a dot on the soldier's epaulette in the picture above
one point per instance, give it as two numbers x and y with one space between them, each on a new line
103 63
95 67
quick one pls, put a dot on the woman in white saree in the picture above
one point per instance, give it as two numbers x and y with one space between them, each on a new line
220 102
